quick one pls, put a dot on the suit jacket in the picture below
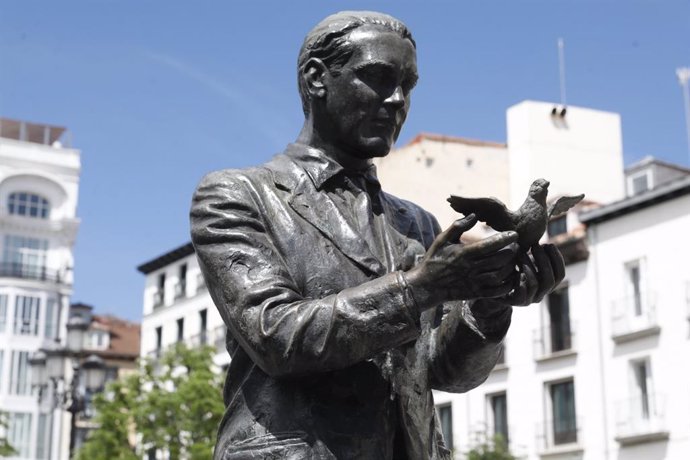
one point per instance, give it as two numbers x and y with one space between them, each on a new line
331 358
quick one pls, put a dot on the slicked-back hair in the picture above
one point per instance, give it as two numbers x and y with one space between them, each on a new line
328 42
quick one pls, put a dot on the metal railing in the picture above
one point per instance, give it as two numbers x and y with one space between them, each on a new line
200 283
642 414
158 299
31 272
553 339
180 289
634 313
554 433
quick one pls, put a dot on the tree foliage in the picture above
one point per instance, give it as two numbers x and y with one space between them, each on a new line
490 448
5 448
172 404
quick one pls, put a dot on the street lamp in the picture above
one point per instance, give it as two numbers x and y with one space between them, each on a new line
48 370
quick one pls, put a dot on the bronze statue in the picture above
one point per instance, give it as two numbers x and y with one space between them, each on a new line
345 306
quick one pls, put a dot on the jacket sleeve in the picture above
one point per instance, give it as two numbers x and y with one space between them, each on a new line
283 332
465 341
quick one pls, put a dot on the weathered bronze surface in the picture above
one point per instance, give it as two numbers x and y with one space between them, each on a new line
345 305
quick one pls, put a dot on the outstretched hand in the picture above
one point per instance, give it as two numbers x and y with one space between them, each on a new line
451 270
538 277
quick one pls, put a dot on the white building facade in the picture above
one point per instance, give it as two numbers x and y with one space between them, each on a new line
39 183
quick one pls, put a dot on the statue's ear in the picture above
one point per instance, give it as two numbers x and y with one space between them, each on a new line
314 75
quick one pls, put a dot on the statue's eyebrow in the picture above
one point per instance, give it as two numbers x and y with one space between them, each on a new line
374 63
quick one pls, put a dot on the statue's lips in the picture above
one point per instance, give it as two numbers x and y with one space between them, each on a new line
383 123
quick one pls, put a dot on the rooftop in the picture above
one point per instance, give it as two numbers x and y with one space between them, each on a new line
37 133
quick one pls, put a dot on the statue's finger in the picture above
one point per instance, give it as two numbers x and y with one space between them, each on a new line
545 274
557 263
491 244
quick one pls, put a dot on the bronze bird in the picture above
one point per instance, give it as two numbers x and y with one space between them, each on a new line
529 221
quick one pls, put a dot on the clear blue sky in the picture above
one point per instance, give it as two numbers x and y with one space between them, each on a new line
157 93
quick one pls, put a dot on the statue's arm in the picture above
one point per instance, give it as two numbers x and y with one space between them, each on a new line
466 344
283 332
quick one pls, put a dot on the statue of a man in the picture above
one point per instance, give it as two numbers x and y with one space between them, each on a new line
345 306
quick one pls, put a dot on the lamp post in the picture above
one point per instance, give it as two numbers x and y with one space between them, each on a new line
48 370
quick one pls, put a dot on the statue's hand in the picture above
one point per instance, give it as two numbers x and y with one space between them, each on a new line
451 270
539 275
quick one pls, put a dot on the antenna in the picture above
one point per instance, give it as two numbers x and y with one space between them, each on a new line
561 69
683 74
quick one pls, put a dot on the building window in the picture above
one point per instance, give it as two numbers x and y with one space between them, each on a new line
557 226
642 386
25 257
28 204
181 287
499 415
50 319
159 340
639 183
203 314
2 368
19 433
20 383
180 329
633 274
564 423
43 441
3 312
445 416
159 294
26 311
559 320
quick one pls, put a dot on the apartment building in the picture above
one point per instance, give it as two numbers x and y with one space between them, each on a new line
39 183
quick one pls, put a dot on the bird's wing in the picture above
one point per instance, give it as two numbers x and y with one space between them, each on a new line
489 210
562 204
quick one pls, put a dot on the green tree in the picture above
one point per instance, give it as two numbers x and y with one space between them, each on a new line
490 448
173 404
5 448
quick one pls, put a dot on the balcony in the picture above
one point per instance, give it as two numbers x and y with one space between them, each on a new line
200 283
553 342
29 272
158 299
641 419
557 437
634 317
180 290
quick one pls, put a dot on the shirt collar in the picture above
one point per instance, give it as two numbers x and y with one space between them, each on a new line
319 167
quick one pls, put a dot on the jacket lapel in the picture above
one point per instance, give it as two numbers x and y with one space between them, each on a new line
319 210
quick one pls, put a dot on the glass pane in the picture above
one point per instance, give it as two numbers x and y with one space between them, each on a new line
499 409
3 312
559 320
19 433
445 415
563 407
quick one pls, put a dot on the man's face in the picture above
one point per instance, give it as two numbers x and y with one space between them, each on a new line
367 102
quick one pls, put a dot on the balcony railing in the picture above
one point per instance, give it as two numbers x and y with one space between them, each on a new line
180 290
555 340
634 316
158 299
31 272
641 418
200 283
557 434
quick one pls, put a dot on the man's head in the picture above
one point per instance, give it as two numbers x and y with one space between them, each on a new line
355 74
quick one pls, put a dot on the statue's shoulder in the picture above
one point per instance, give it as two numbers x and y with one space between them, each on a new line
264 173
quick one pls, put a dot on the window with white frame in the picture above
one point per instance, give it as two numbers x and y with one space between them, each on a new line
639 183
19 433
99 340
44 438
51 318
26 314
20 379
24 256
498 404
641 383
559 330
445 416
635 288
3 313
28 204
564 422
2 369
